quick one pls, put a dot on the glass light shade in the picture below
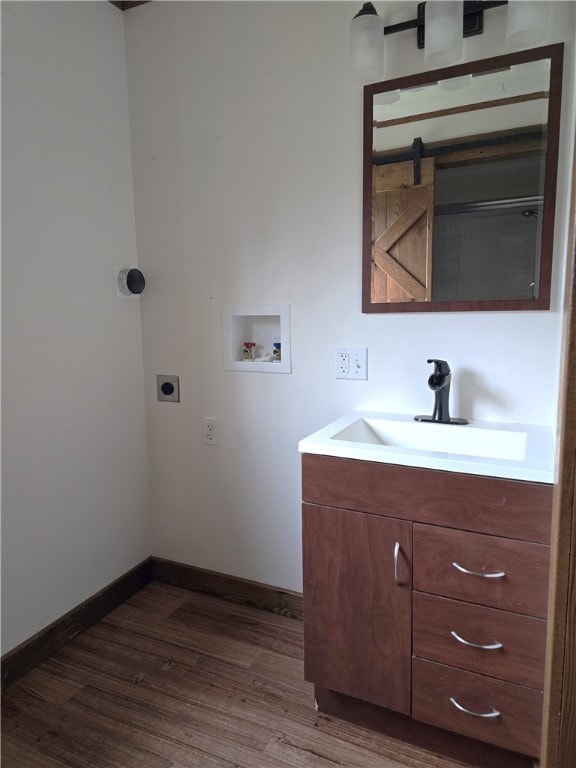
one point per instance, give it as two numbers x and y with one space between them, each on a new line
443 32
366 48
526 22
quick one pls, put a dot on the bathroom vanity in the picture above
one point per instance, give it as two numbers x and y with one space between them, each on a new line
426 576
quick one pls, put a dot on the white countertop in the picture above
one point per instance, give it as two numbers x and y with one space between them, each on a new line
496 449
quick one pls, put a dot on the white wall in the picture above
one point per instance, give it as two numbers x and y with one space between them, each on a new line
246 140
75 514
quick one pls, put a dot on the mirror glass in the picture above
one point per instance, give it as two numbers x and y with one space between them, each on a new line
459 186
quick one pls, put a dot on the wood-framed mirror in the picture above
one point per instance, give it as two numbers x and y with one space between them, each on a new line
459 187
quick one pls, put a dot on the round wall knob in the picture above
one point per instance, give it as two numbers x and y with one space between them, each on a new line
167 388
131 281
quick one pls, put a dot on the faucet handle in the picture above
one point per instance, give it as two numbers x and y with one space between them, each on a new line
440 366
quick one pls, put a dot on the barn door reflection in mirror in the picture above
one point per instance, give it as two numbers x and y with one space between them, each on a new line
402 232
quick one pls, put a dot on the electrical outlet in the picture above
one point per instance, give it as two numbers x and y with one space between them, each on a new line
210 431
351 363
342 363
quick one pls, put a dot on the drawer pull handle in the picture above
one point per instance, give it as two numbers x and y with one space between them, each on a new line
495 575
490 647
493 713
396 556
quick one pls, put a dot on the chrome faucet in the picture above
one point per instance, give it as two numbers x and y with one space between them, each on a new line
439 383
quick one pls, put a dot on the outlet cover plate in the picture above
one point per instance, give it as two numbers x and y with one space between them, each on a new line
351 363
210 436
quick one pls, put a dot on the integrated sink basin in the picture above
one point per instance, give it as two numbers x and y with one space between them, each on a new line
425 436
517 451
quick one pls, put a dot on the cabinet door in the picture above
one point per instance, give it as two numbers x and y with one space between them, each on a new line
357 604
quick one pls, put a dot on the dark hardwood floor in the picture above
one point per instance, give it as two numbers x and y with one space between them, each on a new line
178 679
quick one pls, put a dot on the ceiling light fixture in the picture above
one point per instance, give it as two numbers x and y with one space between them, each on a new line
440 26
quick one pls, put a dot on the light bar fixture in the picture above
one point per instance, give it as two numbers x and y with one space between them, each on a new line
440 27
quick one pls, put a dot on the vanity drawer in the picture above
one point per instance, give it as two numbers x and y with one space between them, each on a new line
442 555
521 639
513 508
516 727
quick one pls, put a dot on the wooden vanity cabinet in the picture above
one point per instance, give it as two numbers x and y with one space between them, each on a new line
472 559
